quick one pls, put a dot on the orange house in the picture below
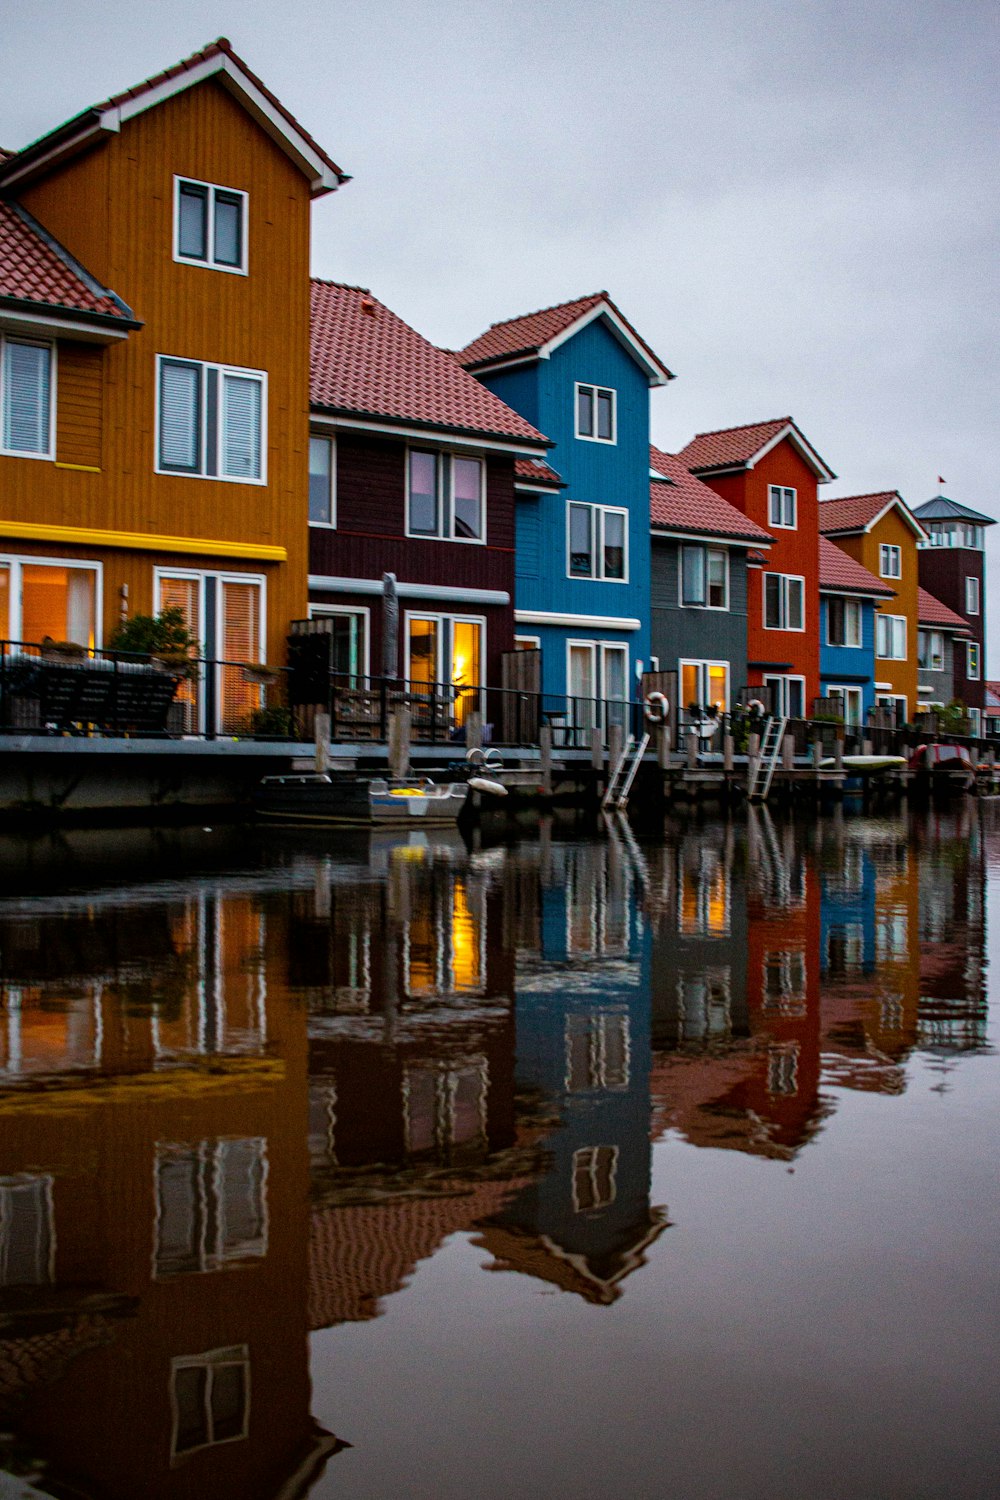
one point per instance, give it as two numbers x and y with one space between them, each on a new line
154 361
881 532
770 472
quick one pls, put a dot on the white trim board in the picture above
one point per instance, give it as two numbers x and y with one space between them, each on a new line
331 585
521 447
574 622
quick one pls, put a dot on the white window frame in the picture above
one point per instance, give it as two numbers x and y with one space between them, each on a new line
896 620
321 611
786 578
893 700
598 513
528 642
890 560
702 664
783 493
201 577
848 693
783 679
15 561
856 604
931 635
440 620
972 649
446 512
599 652
222 370
49 455
237 1354
975 722
585 1162
972 595
327 437
595 390
210 263
705 550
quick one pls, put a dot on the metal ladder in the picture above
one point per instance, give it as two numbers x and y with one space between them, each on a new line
767 758
620 784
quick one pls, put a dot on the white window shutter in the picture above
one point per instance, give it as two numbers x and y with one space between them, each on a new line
27 384
241 436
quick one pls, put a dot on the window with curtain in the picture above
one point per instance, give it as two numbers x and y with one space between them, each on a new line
211 421
26 398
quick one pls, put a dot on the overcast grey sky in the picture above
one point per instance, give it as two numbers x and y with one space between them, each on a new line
794 201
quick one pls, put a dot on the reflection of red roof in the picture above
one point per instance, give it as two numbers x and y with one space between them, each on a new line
685 503
525 335
366 360
35 268
840 574
530 471
740 447
856 512
931 611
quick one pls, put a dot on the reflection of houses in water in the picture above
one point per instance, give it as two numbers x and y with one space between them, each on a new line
952 1015
583 1055
152 1223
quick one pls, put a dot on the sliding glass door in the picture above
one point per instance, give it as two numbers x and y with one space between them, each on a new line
444 658
225 613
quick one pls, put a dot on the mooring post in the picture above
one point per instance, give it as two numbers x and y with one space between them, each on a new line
545 748
867 747
692 750
838 754
399 741
663 746
753 756
474 730
728 748
616 738
817 753
597 751
321 734
788 752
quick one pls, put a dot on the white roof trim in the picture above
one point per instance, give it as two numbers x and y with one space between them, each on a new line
669 533
812 458
44 325
654 370
326 585
575 622
523 447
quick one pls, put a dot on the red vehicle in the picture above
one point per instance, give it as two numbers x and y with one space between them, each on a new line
943 769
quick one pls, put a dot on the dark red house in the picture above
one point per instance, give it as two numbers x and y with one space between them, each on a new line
953 568
412 470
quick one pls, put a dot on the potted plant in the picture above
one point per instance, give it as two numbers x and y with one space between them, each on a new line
163 639
260 672
62 650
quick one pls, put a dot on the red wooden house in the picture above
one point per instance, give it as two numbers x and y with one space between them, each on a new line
412 470
770 472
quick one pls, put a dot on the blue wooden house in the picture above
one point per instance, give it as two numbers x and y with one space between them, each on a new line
580 373
847 598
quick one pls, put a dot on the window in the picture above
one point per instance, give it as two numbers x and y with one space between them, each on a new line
783 1068
784 602
446 651
598 542
784 987
594 1171
597 674
595 414
781 507
972 596
322 505
445 1106
975 718
211 1205
930 650
788 695
445 496
225 612
210 225
890 637
972 536
890 561
211 421
209 1399
843 622
42 597
598 1050
27 411
972 660
704 684
705 577
851 703
349 643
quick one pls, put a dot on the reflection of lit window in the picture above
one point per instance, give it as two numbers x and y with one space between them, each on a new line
703 1005
597 1050
703 901
444 941
597 908
210 1399
222 1007
211 1204
445 1104
891 934
27 1231
323 1120
594 1169
783 1068
37 1036
785 982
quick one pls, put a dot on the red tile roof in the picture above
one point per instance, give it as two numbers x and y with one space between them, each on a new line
220 47
856 512
840 574
35 268
526 334
684 503
930 611
366 360
736 447
530 471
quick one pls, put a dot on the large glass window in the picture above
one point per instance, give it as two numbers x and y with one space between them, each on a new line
26 398
598 542
225 614
211 1205
211 421
784 602
445 496
705 577
27 1231
210 225
890 637
930 650
321 503
52 601
446 651
595 413
843 622
704 684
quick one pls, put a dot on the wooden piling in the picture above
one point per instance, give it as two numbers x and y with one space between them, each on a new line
545 748
399 741
321 735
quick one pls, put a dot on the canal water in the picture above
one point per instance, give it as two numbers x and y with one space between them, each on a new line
575 1166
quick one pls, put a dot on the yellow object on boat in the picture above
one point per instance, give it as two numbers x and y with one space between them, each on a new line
407 791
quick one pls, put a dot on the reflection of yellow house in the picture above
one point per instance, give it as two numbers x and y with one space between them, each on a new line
892 1023
881 533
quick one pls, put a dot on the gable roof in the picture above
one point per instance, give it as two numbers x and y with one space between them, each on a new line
852 513
743 447
529 473
681 502
840 574
38 276
943 509
365 361
930 611
535 335
217 60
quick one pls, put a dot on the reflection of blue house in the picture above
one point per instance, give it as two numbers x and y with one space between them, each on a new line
583 1056
848 594
847 911
583 374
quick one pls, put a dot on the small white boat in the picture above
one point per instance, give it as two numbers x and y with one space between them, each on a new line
318 798
864 765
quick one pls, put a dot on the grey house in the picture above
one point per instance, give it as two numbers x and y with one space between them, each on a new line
940 632
701 549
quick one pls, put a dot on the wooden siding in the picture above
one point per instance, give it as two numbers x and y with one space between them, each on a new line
864 548
79 397
113 208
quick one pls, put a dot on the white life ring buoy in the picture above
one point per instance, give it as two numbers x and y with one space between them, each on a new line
657 708
756 706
